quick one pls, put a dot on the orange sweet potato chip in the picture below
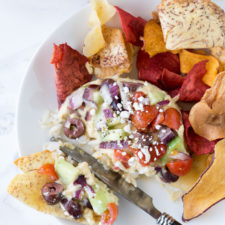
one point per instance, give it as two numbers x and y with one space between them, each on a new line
207 117
210 189
189 59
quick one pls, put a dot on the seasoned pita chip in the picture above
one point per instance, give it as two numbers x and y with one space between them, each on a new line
115 57
207 117
27 187
192 24
189 59
210 188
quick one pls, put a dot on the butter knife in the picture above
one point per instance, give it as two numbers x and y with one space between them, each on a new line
116 183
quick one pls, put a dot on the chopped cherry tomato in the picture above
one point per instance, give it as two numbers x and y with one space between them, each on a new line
123 157
172 118
180 167
158 120
110 215
155 151
141 119
137 95
49 170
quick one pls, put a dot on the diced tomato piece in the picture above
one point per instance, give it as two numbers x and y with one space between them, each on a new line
137 95
141 119
155 151
172 118
110 215
122 156
180 167
158 120
49 170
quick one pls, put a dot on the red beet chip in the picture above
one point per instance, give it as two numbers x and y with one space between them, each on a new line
170 80
173 92
150 69
70 70
193 87
133 27
199 145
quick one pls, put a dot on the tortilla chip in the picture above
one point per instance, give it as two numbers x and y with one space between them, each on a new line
35 161
70 70
197 144
193 88
192 24
133 27
115 57
103 10
170 80
189 59
207 117
199 165
210 188
150 69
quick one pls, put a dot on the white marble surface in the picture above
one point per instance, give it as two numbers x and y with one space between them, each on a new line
24 26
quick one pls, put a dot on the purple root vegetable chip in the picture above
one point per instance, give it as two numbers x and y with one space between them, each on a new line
197 144
193 87
133 27
70 70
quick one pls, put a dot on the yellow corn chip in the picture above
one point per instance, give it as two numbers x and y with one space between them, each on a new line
189 59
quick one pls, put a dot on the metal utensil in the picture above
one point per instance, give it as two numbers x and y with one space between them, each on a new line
116 183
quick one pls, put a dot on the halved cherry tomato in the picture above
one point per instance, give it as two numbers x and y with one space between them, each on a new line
155 151
158 120
137 95
141 119
122 156
110 215
49 170
180 167
172 118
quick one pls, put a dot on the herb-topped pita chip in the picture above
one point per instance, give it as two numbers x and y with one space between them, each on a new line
133 27
210 188
207 117
189 59
192 24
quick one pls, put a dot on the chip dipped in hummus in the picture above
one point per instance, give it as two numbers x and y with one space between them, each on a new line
131 126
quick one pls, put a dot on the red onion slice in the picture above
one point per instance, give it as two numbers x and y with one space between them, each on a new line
88 94
94 86
180 156
106 94
114 145
108 113
132 86
166 135
164 102
76 100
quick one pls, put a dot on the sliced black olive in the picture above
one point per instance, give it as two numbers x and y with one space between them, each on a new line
73 128
52 193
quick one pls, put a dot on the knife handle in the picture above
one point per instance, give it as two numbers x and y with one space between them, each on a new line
166 219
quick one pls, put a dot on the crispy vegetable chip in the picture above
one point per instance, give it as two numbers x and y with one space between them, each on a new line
189 59
115 57
153 38
193 88
133 27
170 80
104 11
219 54
207 117
210 188
199 145
150 69
70 70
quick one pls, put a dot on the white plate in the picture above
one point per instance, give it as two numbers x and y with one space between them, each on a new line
38 94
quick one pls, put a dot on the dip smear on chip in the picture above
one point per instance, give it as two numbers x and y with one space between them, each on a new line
132 126
51 184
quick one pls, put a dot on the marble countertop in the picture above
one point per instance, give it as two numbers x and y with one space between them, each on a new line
24 26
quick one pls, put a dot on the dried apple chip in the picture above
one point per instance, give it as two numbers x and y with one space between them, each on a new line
189 59
210 189
207 117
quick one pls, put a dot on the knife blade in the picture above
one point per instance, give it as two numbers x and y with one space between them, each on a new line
116 183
